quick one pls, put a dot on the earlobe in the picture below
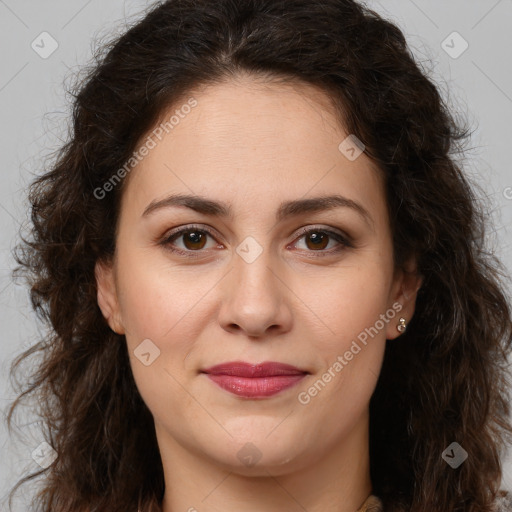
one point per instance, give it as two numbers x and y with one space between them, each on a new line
407 285
107 295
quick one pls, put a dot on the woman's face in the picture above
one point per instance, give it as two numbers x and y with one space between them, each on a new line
245 284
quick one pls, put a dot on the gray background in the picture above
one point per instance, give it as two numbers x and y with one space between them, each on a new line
477 83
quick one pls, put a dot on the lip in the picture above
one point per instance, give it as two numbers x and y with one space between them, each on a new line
255 380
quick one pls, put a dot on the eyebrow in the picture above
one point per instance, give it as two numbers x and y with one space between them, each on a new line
286 209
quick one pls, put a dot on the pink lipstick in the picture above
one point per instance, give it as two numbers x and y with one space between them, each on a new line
255 380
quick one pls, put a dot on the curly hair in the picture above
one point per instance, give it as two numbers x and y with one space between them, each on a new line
444 380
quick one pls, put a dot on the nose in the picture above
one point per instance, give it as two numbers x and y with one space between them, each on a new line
255 299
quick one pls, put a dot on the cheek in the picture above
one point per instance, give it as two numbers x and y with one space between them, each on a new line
158 301
162 313
352 352
351 303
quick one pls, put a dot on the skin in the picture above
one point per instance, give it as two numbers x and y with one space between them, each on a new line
252 146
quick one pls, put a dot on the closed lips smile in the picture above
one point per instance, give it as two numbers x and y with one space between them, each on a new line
255 380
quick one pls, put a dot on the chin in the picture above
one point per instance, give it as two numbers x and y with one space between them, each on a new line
263 455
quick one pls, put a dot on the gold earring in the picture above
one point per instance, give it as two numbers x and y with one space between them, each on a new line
402 325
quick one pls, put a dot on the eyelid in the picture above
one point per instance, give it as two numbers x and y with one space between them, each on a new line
325 229
189 227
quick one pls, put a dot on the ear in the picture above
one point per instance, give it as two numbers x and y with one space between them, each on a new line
406 284
107 295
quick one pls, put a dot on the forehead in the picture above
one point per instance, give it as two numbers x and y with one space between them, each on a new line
246 137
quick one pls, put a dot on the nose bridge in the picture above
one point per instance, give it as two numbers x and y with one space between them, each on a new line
253 275
255 299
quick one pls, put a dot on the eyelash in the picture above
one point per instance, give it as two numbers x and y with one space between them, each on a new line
166 242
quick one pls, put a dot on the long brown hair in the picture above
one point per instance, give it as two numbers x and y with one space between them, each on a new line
443 381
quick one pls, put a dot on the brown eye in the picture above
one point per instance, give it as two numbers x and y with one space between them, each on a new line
194 239
317 240
189 240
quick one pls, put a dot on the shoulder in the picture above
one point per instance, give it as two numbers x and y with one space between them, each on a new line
503 502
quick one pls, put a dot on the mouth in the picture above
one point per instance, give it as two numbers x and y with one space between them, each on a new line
255 380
